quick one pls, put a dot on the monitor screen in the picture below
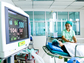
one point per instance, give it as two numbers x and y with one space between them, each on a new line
16 26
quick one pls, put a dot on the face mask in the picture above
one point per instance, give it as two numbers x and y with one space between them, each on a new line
70 28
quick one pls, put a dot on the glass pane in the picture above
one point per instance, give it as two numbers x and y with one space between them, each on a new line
77 18
59 28
51 20
49 28
48 16
76 28
63 16
30 13
39 16
55 30
63 25
31 23
74 17
40 28
51 15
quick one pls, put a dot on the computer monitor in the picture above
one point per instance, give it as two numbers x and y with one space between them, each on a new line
14 29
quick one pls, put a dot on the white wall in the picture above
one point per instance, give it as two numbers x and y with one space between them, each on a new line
80 38
8 1
82 23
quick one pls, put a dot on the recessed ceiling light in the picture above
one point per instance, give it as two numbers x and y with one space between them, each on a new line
21 0
43 0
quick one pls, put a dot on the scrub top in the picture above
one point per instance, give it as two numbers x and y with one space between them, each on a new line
68 35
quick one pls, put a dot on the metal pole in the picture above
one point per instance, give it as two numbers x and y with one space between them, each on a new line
54 59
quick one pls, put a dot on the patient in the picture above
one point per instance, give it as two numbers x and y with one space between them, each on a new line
69 48
58 43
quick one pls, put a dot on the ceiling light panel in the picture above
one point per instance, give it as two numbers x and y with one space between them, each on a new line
82 8
64 0
42 3
43 0
23 3
73 6
59 7
40 7
61 3
78 3
26 7
21 0
15 0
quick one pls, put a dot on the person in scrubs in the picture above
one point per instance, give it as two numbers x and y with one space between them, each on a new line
68 35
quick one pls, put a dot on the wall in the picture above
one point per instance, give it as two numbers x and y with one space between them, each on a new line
82 23
8 1
80 38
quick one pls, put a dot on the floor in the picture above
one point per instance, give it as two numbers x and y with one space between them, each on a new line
47 58
38 43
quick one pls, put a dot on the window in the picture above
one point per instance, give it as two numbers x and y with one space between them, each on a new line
40 28
55 22
51 20
63 16
74 17
39 18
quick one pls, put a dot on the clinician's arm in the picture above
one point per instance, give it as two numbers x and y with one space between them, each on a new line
63 38
74 38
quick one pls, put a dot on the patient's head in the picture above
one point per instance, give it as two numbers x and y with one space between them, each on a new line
55 42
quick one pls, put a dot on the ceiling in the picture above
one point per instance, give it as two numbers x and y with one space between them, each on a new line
49 4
